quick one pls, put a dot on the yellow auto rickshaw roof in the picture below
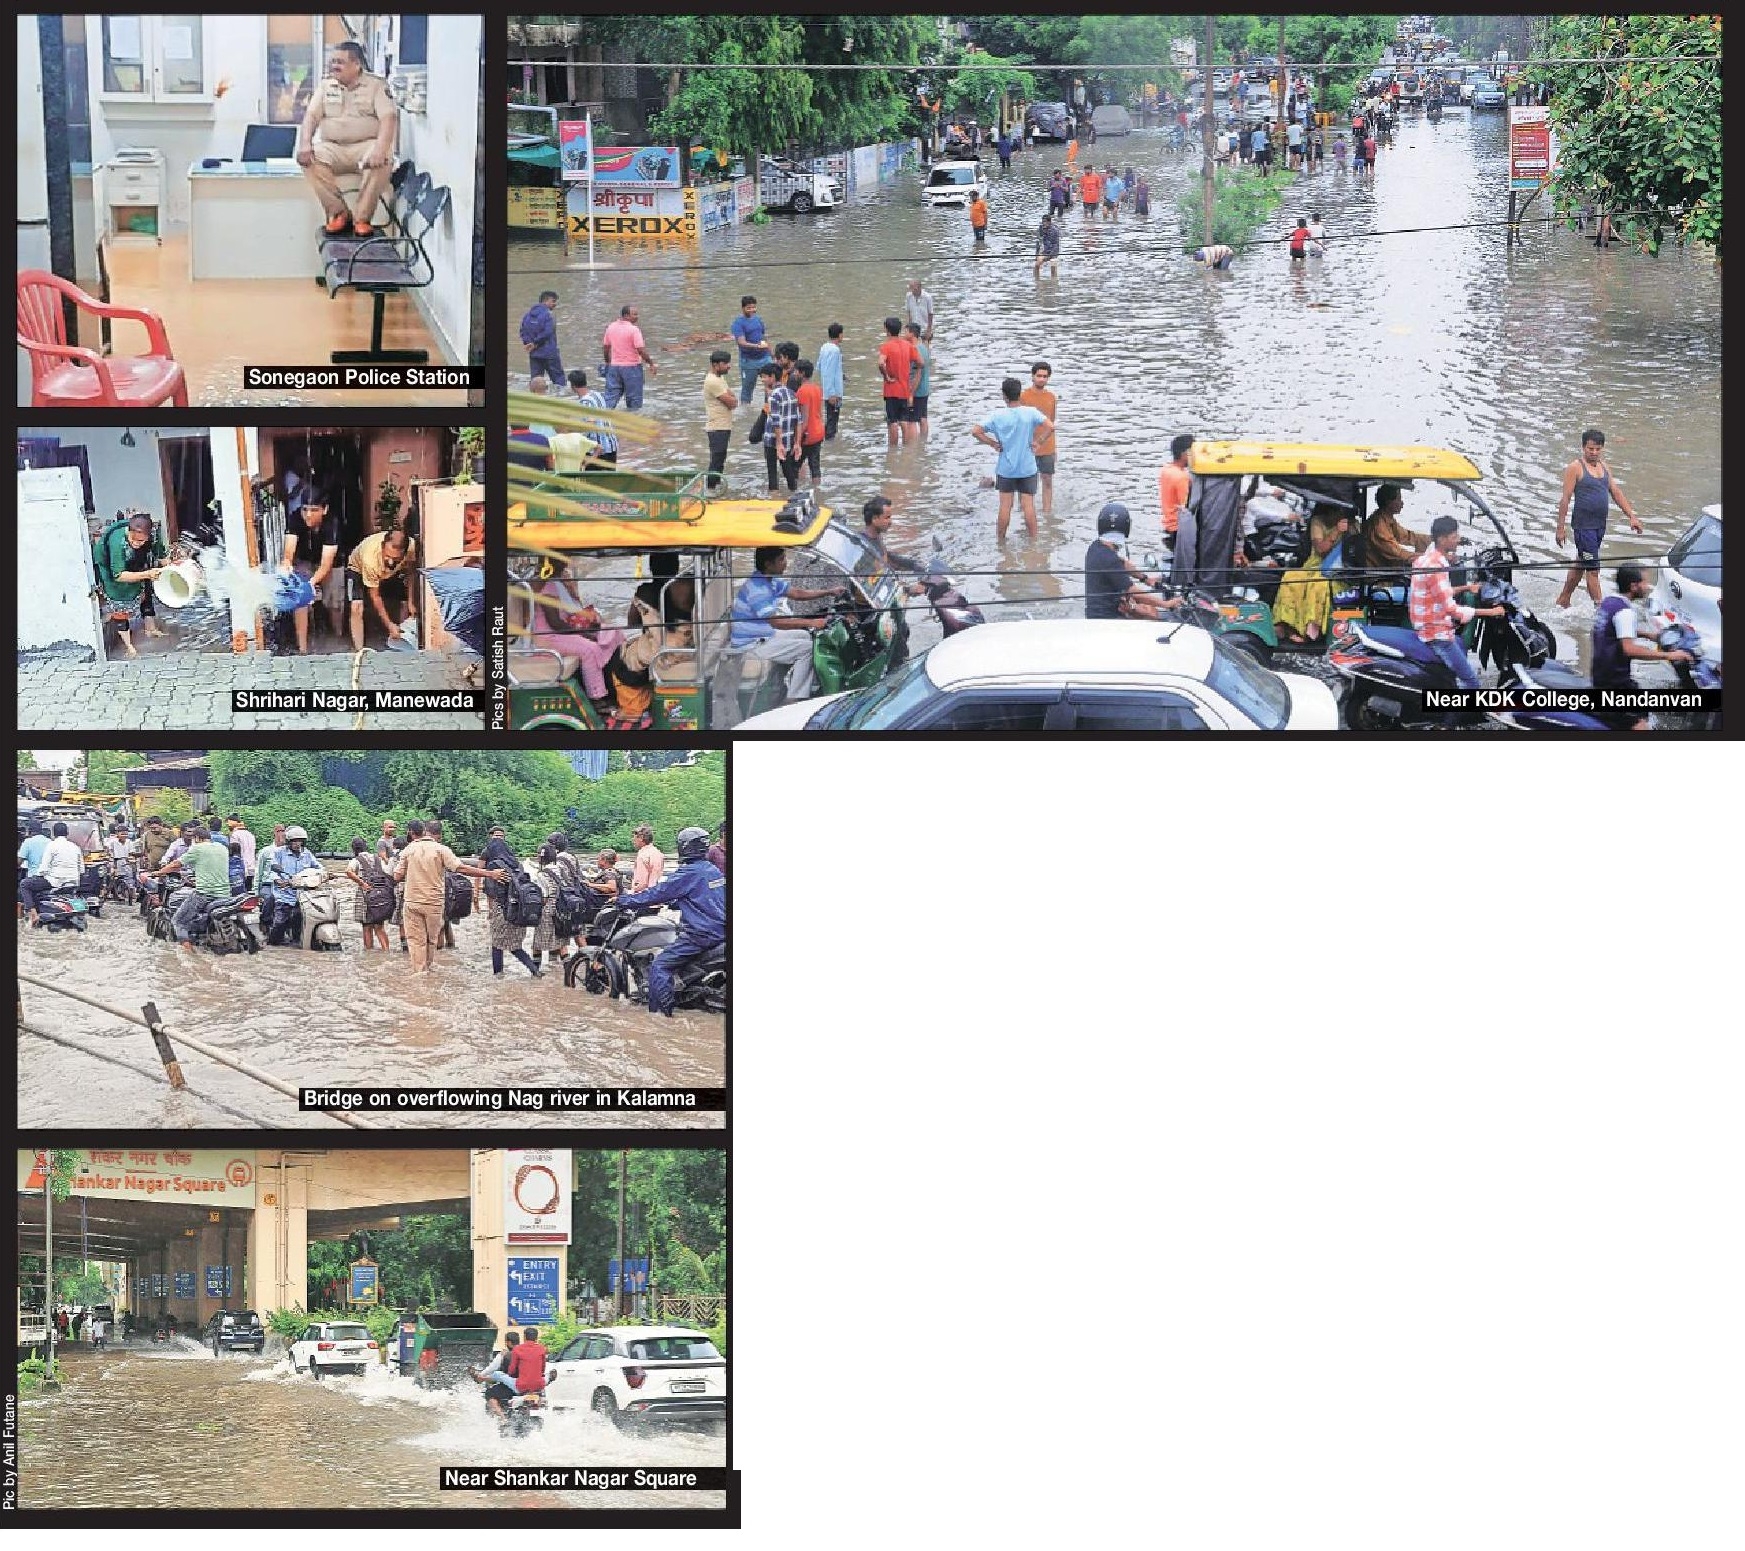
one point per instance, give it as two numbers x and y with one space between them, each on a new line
716 526
1330 460
706 525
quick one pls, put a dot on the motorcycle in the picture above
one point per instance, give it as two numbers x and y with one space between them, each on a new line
230 925
525 1413
1389 668
617 966
63 909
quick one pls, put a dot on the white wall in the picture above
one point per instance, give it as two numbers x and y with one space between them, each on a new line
32 178
120 476
236 49
442 141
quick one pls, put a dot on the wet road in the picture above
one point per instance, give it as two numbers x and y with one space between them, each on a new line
1446 338
155 1428
345 1017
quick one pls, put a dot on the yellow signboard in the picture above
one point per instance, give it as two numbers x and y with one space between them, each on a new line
540 209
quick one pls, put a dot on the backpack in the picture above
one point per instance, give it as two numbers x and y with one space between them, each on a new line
457 897
524 902
378 893
570 913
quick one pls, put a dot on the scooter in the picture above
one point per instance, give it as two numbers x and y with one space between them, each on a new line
63 909
317 910
230 925
91 880
618 965
954 612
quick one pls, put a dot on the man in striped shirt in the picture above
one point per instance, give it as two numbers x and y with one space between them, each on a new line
605 444
1434 613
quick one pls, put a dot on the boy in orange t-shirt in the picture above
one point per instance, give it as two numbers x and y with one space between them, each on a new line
1091 190
811 397
978 217
1173 483
1038 396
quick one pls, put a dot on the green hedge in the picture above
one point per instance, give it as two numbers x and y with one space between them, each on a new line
1243 202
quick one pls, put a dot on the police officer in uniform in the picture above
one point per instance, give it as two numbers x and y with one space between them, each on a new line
700 892
350 126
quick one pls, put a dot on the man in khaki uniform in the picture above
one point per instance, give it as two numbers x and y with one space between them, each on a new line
350 126
423 865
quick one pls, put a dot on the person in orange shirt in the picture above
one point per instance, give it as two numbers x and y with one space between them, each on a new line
1173 481
978 217
1038 396
1072 152
1091 191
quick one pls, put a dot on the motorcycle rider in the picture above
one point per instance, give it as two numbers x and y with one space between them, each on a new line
700 892
283 864
523 1373
1434 613
498 1367
1111 579
1621 639
209 861
62 863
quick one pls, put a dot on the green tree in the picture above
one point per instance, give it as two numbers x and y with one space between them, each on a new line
103 769
1640 133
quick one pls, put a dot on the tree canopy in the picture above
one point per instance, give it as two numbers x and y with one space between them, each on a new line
340 793
1640 135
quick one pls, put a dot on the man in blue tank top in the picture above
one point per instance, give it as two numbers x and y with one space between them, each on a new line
1588 489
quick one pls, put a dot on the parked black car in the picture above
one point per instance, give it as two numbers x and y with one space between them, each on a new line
235 1330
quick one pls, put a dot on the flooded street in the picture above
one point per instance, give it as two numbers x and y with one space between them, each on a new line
327 1018
1445 337
179 1428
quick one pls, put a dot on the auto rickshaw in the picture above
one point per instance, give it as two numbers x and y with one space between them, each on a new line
1260 495
622 533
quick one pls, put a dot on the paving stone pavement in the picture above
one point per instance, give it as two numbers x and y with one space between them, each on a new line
191 692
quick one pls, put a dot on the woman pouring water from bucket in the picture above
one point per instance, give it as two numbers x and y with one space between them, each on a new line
129 557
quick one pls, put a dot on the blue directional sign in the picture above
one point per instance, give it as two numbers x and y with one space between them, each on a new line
533 1289
184 1284
218 1281
637 1272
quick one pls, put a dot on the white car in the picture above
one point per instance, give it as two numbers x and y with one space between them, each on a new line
1690 581
334 1346
635 1374
782 187
1073 675
952 183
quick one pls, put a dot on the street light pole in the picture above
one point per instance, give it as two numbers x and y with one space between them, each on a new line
623 1270
1209 168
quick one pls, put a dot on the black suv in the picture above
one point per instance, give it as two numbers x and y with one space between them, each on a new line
235 1330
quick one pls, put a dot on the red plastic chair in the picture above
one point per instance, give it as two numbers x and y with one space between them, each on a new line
67 376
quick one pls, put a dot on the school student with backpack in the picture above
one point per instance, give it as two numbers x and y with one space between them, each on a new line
516 901
373 899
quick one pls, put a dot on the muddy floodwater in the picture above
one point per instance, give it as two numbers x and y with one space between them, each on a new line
322 1019
1443 337
179 1428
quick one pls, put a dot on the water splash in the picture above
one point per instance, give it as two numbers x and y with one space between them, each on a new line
254 589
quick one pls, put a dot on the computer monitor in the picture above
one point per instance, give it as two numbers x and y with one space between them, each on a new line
266 142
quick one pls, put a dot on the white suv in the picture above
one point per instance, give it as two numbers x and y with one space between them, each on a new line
1690 581
337 1346
632 1374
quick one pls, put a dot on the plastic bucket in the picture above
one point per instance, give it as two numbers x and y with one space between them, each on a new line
177 584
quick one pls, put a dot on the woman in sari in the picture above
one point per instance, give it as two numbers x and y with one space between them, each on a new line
1304 606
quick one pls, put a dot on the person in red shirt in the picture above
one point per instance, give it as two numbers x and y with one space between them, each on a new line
811 396
899 371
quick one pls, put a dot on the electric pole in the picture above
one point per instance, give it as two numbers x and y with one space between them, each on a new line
623 1270
1208 167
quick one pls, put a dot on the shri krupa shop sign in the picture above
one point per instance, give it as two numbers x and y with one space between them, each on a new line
659 214
214 1176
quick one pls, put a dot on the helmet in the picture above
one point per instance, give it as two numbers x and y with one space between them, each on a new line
693 843
1114 518
295 832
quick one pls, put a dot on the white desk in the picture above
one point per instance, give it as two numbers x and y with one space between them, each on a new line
252 221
